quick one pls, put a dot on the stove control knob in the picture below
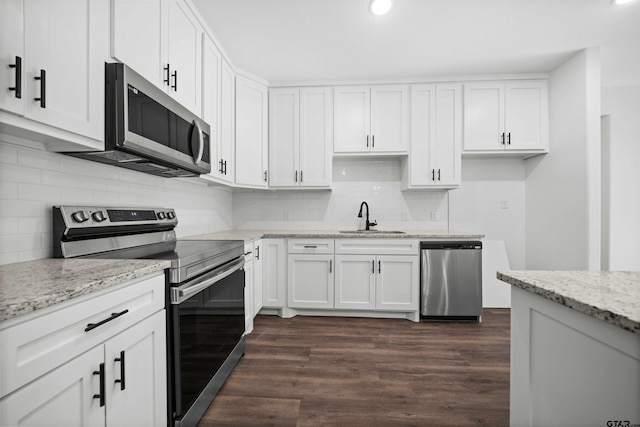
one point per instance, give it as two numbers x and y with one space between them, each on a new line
161 215
80 216
171 215
98 216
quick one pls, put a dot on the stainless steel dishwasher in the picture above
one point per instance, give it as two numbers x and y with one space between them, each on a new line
451 280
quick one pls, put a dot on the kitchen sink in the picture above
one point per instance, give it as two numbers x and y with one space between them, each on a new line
372 232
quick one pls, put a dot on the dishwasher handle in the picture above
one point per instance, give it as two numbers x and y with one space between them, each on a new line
474 244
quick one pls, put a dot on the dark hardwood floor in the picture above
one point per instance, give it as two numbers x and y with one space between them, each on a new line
334 371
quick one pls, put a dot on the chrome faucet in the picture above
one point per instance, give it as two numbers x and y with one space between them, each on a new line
367 223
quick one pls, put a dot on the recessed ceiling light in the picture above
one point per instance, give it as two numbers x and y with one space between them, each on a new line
380 7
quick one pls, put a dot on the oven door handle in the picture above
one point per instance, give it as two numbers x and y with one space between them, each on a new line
186 291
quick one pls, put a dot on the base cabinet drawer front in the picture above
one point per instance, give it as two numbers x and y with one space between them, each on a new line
377 246
397 282
40 344
310 246
355 283
310 281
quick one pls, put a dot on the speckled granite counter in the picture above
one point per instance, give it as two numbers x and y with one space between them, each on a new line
250 235
613 297
32 285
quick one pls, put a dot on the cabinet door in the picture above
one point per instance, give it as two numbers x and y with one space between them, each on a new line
316 137
248 290
136 375
397 282
184 55
251 133
351 119
257 277
274 273
227 122
389 118
526 115
423 106
62 397
483 116
211 69
446 150
11 45
310 281
284 137
141 46
69 42
355 282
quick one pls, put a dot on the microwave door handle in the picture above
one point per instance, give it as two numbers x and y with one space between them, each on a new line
198 158
186 291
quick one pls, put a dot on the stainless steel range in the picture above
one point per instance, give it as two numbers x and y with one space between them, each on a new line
205 293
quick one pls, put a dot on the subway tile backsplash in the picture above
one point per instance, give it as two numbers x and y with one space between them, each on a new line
32 181
375 181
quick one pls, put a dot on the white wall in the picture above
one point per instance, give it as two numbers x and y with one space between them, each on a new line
562 187
376 181
32 181
621 105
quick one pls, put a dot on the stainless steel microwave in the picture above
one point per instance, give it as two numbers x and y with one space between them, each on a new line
148 131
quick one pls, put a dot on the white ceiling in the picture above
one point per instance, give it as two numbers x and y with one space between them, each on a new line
289 41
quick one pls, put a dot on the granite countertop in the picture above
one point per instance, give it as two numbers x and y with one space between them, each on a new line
32 285
611 296
251 235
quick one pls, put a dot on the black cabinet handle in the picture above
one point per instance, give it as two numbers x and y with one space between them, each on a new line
265 176
438 174
43 89
502 138
373 267
175 81
167 70
100 396
367 140
18 86
296 178
121 360
373 141
257 252
379 267
330 266
433 174
301 179
91 326
220 168
509 138
225 167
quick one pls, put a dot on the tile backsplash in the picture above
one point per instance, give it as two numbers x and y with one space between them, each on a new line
376 181
32 181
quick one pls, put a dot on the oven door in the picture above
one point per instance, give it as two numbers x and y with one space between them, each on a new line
206 324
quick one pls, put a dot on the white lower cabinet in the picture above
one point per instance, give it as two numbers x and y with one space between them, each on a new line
111 375
274 273
382 282
248 287
310 281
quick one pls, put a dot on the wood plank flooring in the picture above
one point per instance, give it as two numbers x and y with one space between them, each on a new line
333 371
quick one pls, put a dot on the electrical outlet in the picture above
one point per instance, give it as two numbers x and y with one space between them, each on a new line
504 204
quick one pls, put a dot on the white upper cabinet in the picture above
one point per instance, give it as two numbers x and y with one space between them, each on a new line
226 147
300 136
251 133
436 137
512 115
371 119
166 50
52 57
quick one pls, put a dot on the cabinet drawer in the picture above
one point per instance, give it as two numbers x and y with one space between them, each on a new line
41 343
377 246
310 246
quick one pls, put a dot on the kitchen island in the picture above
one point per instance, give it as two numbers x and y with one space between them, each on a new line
575 348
